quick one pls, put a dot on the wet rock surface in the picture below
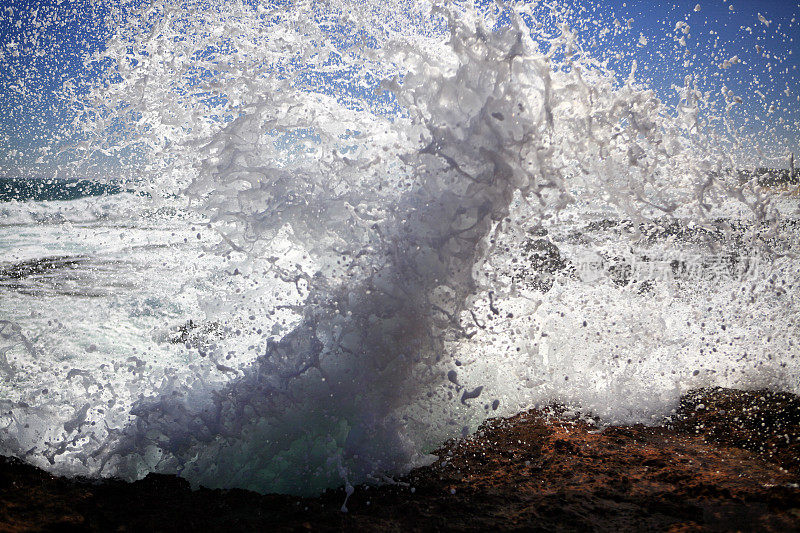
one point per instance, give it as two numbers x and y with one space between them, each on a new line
77 275
727 461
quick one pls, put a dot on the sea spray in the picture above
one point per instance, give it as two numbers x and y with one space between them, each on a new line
334 388
370 180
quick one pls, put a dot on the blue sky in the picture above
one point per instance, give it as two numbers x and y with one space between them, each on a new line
36 63
766 75
42 46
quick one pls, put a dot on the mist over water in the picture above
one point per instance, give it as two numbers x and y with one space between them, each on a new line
366 228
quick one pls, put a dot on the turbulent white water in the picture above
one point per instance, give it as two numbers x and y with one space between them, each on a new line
366 229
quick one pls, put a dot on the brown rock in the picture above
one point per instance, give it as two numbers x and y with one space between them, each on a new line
729 465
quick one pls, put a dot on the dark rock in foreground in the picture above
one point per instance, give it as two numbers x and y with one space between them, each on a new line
728 461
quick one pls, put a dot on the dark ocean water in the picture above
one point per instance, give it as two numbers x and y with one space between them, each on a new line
47 189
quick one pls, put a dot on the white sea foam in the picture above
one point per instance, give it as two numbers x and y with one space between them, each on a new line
369 183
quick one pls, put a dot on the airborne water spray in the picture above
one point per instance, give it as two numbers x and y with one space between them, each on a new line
367 235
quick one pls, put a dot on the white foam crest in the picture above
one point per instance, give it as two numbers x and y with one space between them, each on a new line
388 213
85 210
